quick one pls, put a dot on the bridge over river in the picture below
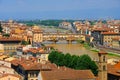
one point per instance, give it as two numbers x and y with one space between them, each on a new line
69 37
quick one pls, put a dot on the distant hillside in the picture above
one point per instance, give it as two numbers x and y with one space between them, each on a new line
45 22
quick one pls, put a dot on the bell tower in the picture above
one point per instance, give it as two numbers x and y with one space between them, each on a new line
102 74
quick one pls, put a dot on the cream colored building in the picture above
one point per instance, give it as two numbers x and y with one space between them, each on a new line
5 63
5 69
107 38
9 77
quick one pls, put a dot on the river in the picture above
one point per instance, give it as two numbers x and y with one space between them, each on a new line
76 49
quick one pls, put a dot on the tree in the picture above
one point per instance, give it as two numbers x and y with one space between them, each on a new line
73 62
6 35
24 42
53 56
29 42
1 28
60 59
94 68
67 59
85 62
82 62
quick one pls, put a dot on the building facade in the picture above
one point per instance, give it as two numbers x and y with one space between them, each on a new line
10 43
107 38
37 34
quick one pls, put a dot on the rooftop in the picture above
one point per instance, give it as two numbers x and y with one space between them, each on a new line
101 29
102 52
32 64
10 39
67 75
109 33
114 69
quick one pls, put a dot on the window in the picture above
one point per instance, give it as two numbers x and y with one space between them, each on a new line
104 68
38 60
30 74
104 58
3 72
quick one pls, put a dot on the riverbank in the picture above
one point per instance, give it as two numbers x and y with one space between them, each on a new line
87 46
79 49
109 53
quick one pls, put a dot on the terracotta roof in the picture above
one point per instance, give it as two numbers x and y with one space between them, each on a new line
111 33
10 39
32 64
102 52
37 66
102 29
117 65
35 50
114 69
67 75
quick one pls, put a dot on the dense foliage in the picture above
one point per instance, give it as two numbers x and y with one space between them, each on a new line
46 22
25 42
54 22
6 35
72 61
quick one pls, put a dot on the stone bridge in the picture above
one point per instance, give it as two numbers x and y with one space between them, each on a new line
69 37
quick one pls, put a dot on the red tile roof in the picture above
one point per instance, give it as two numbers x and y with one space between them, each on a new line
102 52
111 33
32 64
102 29
10 39
35 50
114 69
67 75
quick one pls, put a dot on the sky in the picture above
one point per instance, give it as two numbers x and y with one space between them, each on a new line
59 9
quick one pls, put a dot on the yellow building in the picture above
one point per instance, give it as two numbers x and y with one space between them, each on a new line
107 38
37 34
10 43
1 48
116 43
19 31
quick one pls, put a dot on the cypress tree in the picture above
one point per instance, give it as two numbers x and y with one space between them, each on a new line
1 27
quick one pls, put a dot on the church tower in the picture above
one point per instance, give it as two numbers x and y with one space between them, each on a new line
102 74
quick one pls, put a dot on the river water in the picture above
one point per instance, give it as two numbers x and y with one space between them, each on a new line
76 49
